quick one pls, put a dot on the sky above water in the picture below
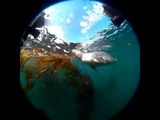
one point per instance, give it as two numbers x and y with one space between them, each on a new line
76 21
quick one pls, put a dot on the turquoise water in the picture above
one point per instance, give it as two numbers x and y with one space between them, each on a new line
114 85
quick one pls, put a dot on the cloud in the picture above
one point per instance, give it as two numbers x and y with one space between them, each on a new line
50 10
83 24
84 7
98 7
68 20
57 30
92 16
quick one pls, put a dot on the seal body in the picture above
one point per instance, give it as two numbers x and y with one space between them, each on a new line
94 58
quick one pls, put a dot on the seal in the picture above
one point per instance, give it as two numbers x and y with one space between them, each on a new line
95 58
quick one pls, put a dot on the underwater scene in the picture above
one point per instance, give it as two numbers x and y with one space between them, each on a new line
80 60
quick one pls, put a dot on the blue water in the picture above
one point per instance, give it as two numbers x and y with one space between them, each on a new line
114 85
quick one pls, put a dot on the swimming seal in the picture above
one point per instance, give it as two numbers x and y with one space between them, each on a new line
95 58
